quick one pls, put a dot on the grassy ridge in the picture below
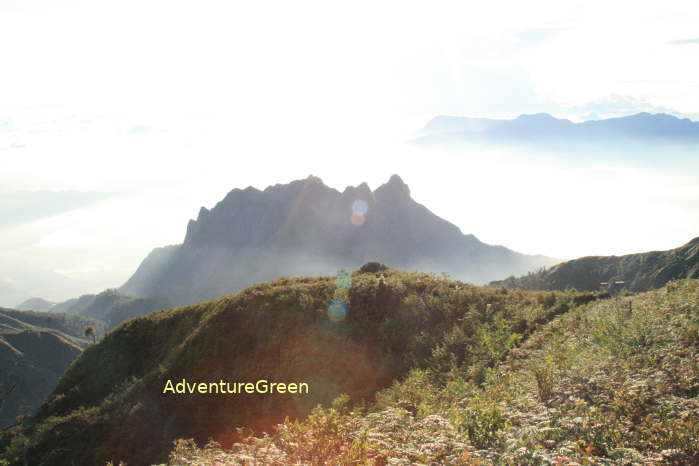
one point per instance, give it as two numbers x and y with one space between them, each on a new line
640 272
109 405
35 349
615 382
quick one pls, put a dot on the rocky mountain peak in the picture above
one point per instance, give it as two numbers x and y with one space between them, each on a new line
395 189
307 228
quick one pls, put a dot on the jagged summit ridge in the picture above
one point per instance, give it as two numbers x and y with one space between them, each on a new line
308 228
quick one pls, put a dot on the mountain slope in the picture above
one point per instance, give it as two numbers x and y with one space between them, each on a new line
350 334
611 383
307 228
35 350
639 272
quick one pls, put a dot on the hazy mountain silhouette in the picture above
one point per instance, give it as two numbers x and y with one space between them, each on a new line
660 128
35 304
639 272
20 281
307 228
110 307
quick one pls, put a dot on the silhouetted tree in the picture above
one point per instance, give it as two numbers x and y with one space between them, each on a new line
90 332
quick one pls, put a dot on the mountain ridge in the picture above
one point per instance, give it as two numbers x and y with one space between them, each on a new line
35 350
644 126
639 272
307 228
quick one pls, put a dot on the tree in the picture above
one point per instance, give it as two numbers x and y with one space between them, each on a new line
90 332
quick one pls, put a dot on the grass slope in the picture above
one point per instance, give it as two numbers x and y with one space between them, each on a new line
35 350
615 382
109 405
640 272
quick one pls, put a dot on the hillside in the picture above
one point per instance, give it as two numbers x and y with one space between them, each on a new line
111 307
351 334
614 382
307 228
70 325
35 350
639 272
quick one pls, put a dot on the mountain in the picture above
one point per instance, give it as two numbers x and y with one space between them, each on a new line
307 228
111 306
35 304
354 334
35 350
542 127
639 272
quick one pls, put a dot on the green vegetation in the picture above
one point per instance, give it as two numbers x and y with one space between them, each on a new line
35 350
614 382
639 272
438 336
37 347
71 326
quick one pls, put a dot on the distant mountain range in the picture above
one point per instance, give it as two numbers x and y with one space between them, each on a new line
307 228
639 272
20 281
110 307
658 128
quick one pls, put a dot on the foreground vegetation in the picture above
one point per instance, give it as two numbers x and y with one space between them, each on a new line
614 382
353 334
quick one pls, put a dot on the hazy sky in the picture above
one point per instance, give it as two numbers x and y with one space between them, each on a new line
118 120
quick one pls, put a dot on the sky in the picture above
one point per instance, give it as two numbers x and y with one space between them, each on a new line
119 120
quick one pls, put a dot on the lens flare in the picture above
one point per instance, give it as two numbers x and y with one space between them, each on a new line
343 280
337 310
357 219
360 207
